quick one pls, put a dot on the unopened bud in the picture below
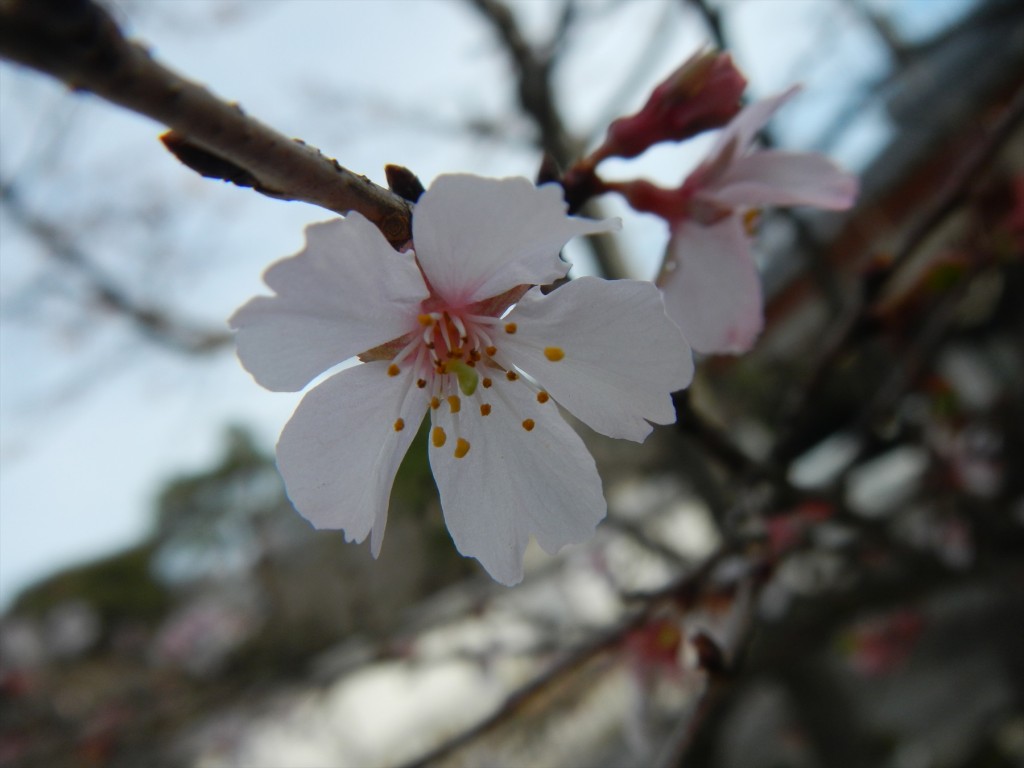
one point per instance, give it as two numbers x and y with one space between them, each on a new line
702 94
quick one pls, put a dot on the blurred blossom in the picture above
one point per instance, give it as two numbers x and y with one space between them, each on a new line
199 636
882 644
72 628
460 329
711 285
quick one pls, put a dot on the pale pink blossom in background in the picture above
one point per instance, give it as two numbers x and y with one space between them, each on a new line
436 335
709 277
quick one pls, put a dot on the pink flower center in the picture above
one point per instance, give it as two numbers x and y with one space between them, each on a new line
455 355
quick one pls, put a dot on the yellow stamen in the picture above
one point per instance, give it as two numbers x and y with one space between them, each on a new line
511 375
461 448
528 425
438 437
491 351
542 397
399 425
454 403
435 403
554 354
421 383
393 370
426 320
750 221
485 409
510 328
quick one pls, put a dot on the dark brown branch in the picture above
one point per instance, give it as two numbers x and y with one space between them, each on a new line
78 43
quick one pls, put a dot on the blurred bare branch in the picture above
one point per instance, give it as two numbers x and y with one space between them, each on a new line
855 321
152 322
533 68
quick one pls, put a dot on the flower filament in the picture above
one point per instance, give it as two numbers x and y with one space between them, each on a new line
449 354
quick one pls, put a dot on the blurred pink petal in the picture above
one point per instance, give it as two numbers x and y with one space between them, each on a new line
785 178
713 293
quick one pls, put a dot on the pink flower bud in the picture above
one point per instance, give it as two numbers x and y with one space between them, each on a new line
702 94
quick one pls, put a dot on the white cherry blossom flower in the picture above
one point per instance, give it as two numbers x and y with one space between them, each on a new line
435 335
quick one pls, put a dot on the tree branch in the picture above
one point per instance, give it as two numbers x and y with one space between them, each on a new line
78 43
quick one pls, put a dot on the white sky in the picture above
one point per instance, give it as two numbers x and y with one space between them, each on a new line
94 419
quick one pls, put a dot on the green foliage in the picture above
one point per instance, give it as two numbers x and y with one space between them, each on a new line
414 483
120 588
200 507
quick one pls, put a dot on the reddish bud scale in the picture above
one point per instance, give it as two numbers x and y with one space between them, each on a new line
702 94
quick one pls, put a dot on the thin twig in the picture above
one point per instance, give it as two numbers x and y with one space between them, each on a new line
712 20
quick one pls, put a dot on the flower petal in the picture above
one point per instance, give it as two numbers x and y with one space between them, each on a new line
605 350
737 136
714 292
514 482
340 451
785 178
345 292
477 237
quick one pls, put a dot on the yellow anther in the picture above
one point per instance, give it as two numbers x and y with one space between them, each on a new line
454 403
543 397
393 370
510 327
461 448
438 437
399 425
491 351
750 221
435 403
426 320
554 354
421 383
486 382
528 425
511 375
485 409
474 354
